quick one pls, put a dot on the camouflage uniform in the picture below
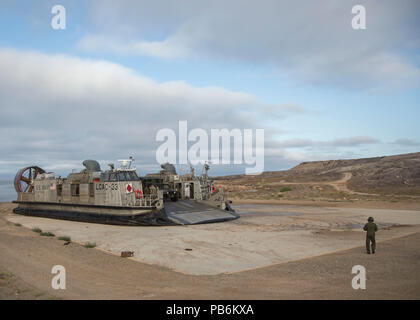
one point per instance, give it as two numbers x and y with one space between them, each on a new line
370 229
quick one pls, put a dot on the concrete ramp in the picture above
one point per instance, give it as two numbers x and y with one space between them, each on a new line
193 212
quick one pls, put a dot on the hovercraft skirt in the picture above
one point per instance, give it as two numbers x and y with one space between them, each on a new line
95 214
183 212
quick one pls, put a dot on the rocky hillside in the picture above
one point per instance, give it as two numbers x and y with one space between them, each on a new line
398 174
390 175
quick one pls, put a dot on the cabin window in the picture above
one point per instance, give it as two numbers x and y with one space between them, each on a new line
119 176
133 176
122 176
75 189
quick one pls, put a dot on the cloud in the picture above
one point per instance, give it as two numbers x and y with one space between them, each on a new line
310 42
406 142
161 49
352 141
335 143
296 143
58 110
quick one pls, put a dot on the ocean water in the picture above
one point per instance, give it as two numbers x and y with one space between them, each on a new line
7 191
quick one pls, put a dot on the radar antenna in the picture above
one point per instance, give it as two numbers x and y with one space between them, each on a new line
127 164
206 167
192 170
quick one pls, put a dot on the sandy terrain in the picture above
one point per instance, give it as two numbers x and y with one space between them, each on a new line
320 245
265 235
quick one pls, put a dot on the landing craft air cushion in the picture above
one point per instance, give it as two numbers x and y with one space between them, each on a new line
120 196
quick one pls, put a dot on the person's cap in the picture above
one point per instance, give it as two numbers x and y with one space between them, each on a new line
370 219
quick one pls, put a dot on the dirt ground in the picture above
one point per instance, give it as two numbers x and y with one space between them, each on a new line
359 204
26 259
263 236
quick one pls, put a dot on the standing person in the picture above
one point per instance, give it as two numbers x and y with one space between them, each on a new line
370 229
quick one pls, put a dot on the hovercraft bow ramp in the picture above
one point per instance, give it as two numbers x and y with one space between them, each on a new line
193 212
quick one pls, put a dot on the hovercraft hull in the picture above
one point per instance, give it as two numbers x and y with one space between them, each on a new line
183 212
94 213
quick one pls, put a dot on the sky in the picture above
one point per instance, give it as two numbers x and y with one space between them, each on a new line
122 70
